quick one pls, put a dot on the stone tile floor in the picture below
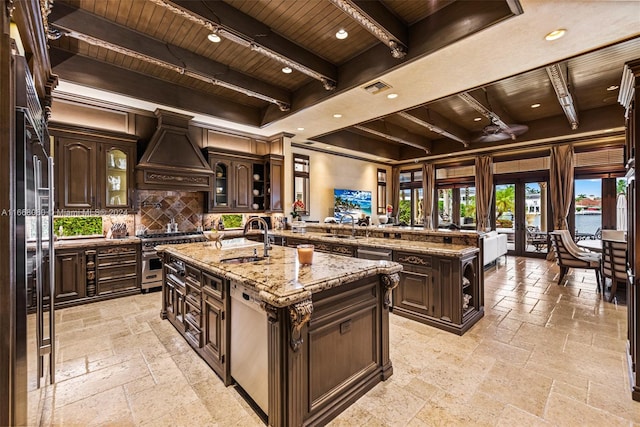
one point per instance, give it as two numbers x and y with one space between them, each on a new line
543 355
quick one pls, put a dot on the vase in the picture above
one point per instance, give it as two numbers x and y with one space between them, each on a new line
383 219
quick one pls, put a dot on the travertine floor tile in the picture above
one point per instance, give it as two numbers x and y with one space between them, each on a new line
543 355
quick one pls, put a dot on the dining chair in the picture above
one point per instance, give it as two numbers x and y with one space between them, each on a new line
614 265
569 255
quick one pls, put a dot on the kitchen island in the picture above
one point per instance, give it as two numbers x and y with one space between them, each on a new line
441 284
327 337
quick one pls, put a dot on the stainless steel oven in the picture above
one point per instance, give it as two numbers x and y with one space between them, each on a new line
151 263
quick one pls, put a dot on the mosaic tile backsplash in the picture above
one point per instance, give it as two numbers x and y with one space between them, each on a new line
157 208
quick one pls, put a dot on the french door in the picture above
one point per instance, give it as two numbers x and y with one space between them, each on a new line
522 211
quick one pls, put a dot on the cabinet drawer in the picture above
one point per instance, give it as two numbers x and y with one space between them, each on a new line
192 311
213 286
116 285
343 250
322 247
117 271
106 260
193 274
408 258
192 333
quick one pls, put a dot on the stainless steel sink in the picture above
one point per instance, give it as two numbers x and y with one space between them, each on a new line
242 259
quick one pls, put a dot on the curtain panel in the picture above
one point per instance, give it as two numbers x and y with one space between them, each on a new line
395 192
428 190
561 184
484 191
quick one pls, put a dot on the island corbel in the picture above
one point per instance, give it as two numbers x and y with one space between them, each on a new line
390 282
300 314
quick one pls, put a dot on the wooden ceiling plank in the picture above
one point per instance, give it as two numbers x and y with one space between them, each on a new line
358 142
437 124
84 23
248 29
376 18
102 76
395 133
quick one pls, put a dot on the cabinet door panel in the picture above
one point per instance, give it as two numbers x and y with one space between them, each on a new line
277 173
213 328
414 292
76 162
242 181
70 276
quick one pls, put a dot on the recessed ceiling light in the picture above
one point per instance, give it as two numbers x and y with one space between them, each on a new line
342 34
392 95
328 147
300 128
555 34
337 116
535 105
477 119
613 87
213 37
287 70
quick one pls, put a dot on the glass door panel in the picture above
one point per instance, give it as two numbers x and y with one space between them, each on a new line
588 208
536 212
445 207
522 213
505 208
221 196
117 184
468 208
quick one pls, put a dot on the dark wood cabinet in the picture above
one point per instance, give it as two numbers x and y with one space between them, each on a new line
629 97
214 326
245 182
117 269
94 169
439 291
70 275
196 303
76 184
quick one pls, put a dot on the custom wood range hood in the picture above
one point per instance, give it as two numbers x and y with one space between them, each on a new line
171 160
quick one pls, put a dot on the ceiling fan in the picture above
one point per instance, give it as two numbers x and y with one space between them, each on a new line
494 132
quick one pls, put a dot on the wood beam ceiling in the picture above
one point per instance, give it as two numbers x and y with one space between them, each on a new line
375 18
244 30
395 133
96 31
435 123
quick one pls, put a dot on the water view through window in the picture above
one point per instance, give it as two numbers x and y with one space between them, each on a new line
588 200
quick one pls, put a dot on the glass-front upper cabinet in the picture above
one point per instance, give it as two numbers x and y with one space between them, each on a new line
222 185
117 177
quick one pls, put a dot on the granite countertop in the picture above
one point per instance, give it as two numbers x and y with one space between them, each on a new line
280 279
93 242
427 248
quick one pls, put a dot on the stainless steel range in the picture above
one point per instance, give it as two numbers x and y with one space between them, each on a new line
151 262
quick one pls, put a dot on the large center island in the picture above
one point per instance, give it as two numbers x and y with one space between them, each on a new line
325 325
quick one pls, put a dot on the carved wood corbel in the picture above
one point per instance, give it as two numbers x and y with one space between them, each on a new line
300 314
390 282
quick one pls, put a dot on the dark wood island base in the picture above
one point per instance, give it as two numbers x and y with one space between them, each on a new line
327 353
328 342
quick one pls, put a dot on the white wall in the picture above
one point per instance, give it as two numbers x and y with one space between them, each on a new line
330 171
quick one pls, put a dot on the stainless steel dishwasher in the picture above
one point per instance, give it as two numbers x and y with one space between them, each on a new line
249 346
374 253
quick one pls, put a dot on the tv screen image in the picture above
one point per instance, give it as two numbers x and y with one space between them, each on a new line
354 202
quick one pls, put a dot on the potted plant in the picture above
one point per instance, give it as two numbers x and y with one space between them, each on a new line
297 208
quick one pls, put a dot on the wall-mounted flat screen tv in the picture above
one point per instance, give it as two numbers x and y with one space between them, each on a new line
354 202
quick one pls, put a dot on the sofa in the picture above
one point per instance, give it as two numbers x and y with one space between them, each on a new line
494 245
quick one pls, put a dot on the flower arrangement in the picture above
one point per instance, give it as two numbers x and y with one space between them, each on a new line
297 207
389 209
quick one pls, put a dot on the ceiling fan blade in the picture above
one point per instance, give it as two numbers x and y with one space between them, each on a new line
491 133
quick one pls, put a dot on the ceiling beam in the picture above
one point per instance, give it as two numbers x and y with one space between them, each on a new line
435 123
493 117
560 85
92 73
233 25
375 18
359 142
91 29
395 133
